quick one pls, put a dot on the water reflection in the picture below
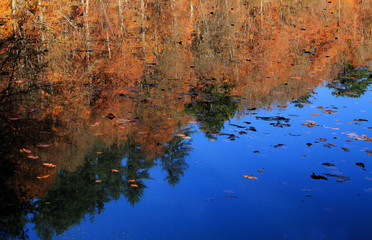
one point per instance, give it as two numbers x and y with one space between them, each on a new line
95 94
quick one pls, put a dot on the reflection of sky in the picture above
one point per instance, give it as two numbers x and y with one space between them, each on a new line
283 203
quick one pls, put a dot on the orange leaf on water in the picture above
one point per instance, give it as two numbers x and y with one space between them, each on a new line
114 170
41 177
132 180
134 185
250 176
49 165
41 145
24 150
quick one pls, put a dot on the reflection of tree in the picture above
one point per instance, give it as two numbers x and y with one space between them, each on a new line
173 160
75 195
13 210
107 174
301 101
214 109
352 82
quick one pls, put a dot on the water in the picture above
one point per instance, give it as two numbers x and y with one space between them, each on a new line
185 120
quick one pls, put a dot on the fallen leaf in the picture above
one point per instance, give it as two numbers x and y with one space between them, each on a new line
329 111
249 176
310 124
328 164
42 145
110 116
114 170
24 150
360 120
231 197
315 114
33 157
317 177
353 123
98 181
134 185
360 164
345 149
42 177
49 165
132 180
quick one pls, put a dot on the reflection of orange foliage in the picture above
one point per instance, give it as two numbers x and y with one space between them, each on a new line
139 60
32 180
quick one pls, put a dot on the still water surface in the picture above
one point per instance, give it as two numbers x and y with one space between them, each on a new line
185 119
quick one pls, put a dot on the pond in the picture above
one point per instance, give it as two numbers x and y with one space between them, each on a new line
185 119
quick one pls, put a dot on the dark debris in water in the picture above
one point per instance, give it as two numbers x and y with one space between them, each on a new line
318 177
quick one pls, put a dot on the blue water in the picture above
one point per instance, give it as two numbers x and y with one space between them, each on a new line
214 201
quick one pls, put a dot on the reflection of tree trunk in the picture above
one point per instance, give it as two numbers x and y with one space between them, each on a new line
87 32
41 21
339 14
14 7
108 44
261 14
122 26
174 18
191 11
281 10
143 28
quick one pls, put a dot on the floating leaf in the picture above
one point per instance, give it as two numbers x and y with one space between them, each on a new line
360 120
24 150
42 177
328 164
315 114
360 164
340 179
345 149
329 111
317 177
110 116
96 124
132 180
310 124
49 165
134 185
33 157
114 170
250 176
98 181
42 145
